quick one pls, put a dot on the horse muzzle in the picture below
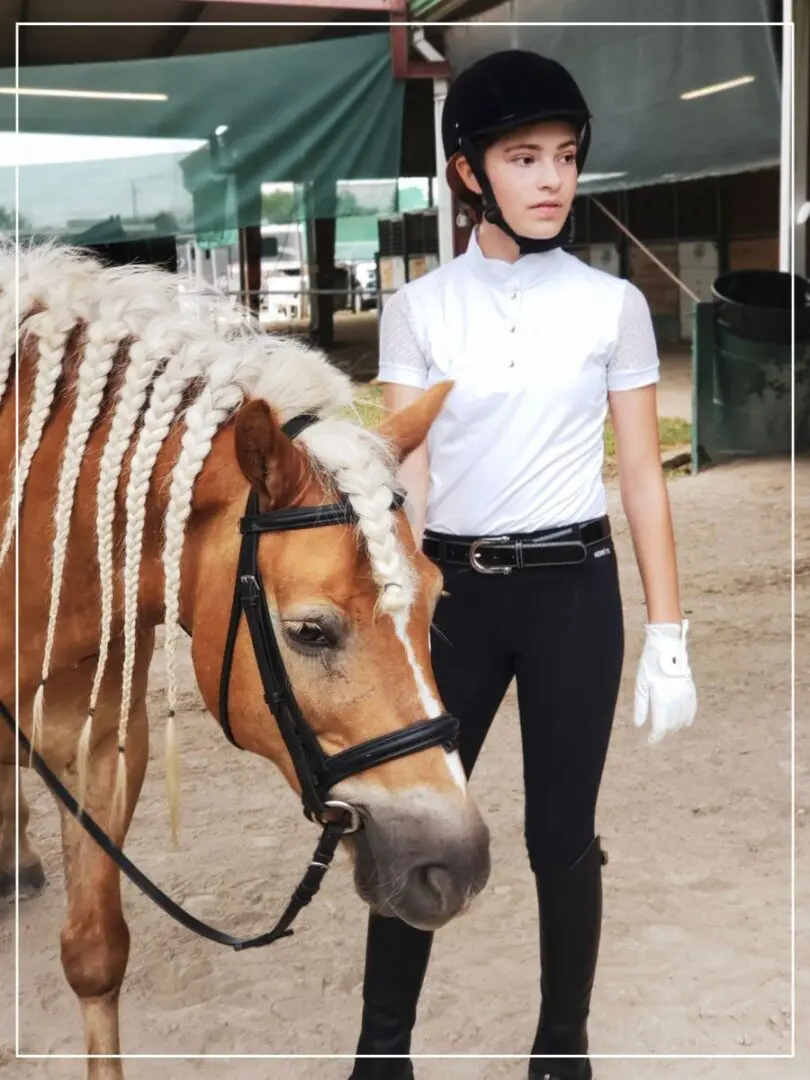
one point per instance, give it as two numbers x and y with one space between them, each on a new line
421 857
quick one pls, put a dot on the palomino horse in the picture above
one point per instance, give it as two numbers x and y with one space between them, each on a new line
144 427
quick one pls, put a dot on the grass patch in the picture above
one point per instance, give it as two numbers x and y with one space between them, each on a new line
672 431
368 402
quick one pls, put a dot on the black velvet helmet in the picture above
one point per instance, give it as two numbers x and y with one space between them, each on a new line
504 91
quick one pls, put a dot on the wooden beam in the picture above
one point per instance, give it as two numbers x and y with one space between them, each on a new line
403 64
170 42
24 33
400 45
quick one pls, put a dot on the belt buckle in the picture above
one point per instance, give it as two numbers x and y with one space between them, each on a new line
486 541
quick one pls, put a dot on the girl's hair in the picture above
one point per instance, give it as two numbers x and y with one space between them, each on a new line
470 199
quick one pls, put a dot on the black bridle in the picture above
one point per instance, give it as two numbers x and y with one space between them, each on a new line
317 772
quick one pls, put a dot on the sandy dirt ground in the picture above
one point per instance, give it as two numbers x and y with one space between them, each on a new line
696 952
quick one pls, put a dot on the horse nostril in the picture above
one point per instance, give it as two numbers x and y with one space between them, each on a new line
437 881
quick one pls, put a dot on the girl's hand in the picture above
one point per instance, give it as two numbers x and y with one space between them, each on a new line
664 685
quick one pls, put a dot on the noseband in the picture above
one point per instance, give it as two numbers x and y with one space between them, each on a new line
317 772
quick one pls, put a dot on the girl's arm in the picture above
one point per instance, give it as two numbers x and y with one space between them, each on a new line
665 690
645 500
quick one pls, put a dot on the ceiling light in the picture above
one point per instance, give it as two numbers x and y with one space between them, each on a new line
106 95
221 129
590 178
715 88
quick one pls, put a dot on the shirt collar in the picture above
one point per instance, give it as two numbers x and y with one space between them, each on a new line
529 270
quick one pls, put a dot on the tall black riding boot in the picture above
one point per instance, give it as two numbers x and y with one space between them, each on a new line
570 905
396 961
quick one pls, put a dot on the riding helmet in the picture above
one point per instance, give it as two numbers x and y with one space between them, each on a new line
499 93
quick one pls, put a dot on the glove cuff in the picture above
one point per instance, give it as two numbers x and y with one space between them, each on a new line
670 631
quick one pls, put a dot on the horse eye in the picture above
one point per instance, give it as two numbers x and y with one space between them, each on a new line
310 635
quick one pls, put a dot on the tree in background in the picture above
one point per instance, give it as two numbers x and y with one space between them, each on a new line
7 222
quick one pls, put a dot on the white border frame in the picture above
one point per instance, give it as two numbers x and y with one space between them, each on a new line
788 29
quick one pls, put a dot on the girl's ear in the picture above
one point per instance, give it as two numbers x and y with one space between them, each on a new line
462 169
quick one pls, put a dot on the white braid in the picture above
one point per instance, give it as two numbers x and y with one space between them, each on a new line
140 371
8 344
52 337
167 393
56 285
99 353
216 403
146 317
217 400
361 464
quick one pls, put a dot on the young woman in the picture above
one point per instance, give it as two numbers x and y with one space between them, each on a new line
507 497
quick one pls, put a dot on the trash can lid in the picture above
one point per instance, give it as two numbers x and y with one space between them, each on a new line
756 305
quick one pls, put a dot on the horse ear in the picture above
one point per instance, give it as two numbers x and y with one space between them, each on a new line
275 467
407 428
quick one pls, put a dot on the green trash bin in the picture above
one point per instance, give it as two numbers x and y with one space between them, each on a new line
751 363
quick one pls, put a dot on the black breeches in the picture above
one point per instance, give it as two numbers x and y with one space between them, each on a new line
559 631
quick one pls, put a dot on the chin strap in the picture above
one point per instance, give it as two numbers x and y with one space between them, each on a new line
527 245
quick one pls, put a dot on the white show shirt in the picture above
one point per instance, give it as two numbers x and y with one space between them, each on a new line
533 348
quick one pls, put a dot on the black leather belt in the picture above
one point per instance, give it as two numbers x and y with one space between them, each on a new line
502 554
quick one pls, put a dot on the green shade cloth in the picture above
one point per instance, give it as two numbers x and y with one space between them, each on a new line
314 114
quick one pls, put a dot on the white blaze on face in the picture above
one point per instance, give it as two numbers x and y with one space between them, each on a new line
430 705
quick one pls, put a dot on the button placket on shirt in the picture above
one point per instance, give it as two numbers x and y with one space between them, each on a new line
513 293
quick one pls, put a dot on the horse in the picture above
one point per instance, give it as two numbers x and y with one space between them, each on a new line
31 876
151 434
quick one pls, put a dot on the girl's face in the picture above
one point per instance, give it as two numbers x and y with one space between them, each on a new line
533 173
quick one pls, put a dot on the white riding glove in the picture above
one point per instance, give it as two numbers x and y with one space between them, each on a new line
664 685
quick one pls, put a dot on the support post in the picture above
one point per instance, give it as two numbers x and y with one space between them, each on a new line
801 75
321 236
786 223
444 197
249 217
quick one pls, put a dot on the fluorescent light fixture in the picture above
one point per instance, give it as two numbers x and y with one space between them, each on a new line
105 95
29 148
591 178
716 88
803 215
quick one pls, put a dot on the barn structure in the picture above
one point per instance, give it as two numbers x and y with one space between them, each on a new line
171 133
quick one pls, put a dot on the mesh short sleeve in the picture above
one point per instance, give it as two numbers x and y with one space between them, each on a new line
401 357
634 361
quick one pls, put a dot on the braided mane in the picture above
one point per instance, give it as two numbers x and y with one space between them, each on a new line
152 357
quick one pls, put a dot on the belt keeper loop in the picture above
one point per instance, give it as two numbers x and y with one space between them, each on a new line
519 553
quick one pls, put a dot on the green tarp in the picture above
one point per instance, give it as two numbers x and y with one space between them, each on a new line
218 127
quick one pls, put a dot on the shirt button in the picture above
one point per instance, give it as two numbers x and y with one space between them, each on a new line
511 329
513 296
